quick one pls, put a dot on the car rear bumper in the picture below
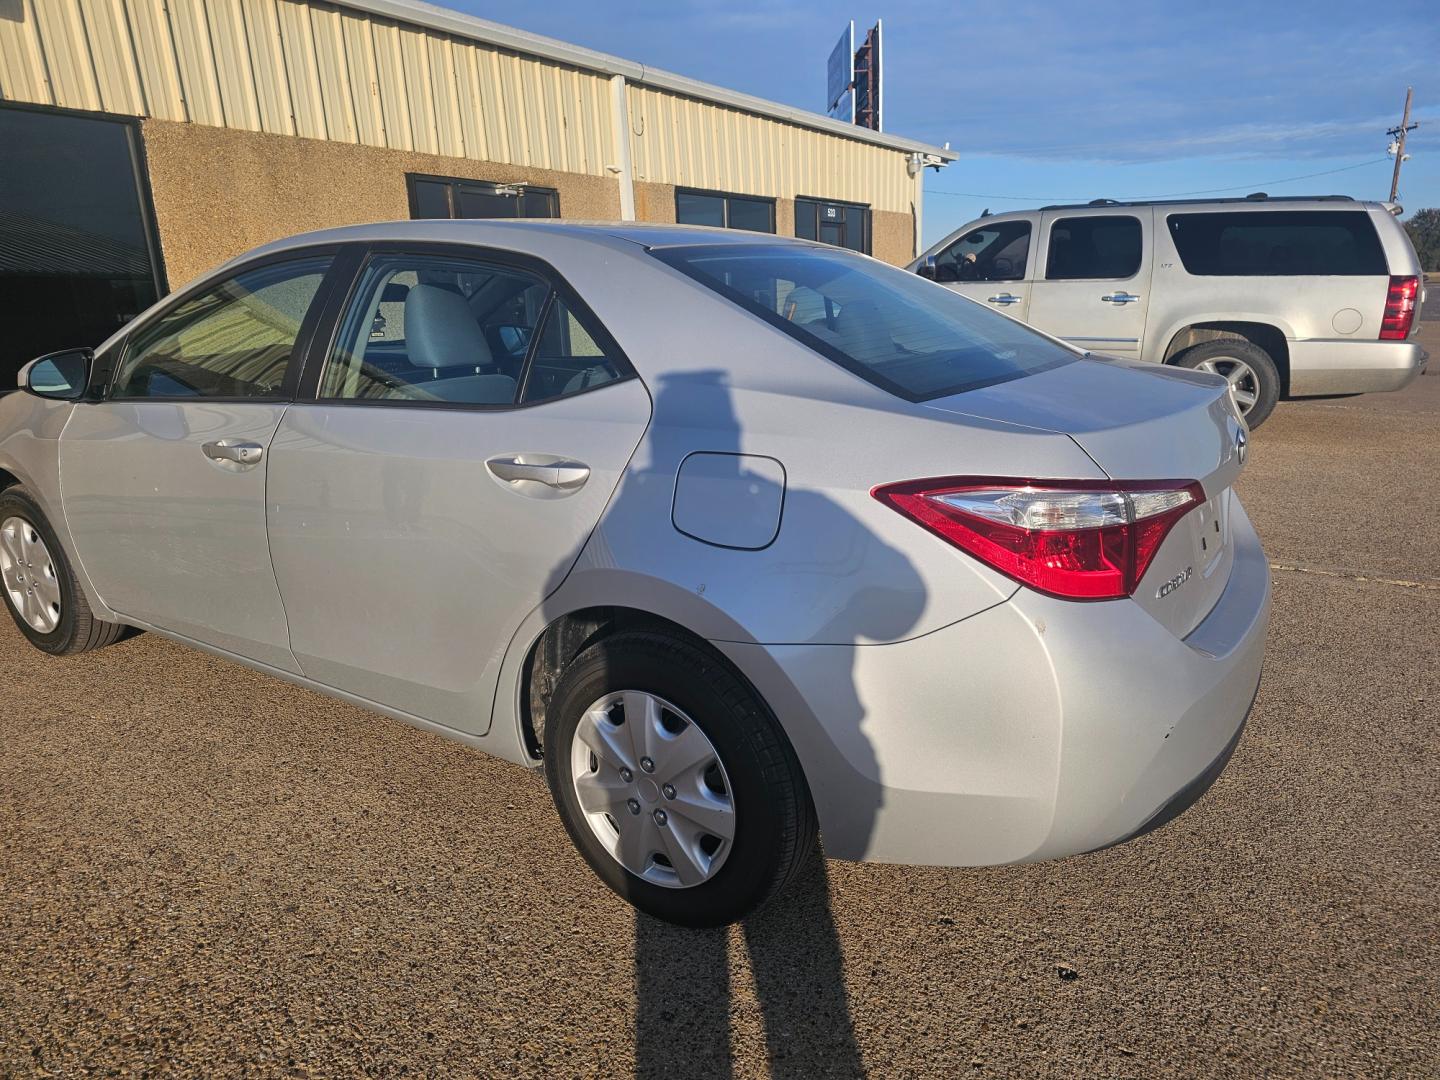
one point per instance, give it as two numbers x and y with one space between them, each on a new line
1353 367
1038 729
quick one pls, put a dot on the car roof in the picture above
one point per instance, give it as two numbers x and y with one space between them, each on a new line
499 231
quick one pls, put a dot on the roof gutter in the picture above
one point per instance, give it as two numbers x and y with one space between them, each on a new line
522 41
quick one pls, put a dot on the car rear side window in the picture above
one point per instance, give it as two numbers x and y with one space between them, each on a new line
1094 249
906 335
1279 243
230 341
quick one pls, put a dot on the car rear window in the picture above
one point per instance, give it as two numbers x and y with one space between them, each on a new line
1279 243
911 337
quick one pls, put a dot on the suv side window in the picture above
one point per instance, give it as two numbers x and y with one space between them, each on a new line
1278 243
1094 248
234 340
995 252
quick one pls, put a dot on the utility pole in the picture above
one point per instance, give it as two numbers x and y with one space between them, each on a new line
1398 134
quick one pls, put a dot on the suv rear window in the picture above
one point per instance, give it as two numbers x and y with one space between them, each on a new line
911 337
1279 243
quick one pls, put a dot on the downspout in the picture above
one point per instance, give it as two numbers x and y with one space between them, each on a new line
620 126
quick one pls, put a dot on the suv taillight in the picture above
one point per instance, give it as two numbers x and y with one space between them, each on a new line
1075 539
1399 308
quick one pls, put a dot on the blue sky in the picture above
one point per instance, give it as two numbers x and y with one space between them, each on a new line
1073 101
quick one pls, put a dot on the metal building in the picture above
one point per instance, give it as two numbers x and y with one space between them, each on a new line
173 134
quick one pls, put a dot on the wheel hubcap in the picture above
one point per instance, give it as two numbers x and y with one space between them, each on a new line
1244 383
652 789
28 575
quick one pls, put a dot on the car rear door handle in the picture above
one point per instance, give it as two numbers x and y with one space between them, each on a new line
1004 298
562 475
1120 298
241 453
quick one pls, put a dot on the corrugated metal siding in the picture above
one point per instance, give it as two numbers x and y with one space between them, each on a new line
690 143
296 67
309 69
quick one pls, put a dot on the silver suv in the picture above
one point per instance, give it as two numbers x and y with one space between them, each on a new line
1293 297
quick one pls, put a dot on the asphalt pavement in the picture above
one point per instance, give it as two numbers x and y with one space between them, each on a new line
207 872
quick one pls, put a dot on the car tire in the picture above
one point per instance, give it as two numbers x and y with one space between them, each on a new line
1249 368
672 684
39 585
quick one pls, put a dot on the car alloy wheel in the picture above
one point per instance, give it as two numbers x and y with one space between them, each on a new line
1244 383
28 574
653 789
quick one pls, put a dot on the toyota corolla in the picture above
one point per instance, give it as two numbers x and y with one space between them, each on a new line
741 539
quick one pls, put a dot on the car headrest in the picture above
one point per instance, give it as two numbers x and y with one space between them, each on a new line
441 331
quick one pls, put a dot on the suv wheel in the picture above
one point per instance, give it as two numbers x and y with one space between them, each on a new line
38 585
674 781
1254 380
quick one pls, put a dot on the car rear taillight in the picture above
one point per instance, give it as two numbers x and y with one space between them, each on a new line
1075 539
1399 308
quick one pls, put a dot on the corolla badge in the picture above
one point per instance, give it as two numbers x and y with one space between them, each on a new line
1174 583
1242 445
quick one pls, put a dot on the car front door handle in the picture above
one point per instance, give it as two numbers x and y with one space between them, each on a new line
1120 298
1003 298
561 475
234 450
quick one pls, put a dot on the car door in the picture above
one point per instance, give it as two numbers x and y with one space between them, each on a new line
467 427
990 263
1095 287
163 481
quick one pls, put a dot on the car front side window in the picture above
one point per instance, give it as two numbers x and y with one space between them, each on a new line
997 252
232 340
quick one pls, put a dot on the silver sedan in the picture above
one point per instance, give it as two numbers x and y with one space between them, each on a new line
741 539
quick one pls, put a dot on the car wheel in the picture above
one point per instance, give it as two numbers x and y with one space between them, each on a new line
674 781
1254 380
39 586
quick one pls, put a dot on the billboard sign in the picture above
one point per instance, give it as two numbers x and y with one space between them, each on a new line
840 77
867 77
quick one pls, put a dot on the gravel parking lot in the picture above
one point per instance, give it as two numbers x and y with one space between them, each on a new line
204 871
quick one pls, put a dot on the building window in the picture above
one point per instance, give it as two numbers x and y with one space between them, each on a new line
843 224
725 211
77 251
451 197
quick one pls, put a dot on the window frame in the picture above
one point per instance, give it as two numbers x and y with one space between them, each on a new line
103 379
451 182
725 197
1058 220
819 201
338 303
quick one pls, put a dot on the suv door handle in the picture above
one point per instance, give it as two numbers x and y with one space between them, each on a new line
1004 298
241 453
562 475
1121 297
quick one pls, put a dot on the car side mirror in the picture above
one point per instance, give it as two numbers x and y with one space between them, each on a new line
927 268
62 375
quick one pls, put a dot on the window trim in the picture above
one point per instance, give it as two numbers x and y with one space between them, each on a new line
1049 239
869 248
726 196
321 345
120 352
451 181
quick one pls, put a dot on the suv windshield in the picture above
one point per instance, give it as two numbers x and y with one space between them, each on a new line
916 339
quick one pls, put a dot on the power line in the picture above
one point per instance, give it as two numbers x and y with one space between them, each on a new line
1172 195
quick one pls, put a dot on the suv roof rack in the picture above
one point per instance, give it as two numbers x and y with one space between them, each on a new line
1258 196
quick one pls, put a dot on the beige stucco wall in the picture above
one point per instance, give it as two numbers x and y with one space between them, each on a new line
219 192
